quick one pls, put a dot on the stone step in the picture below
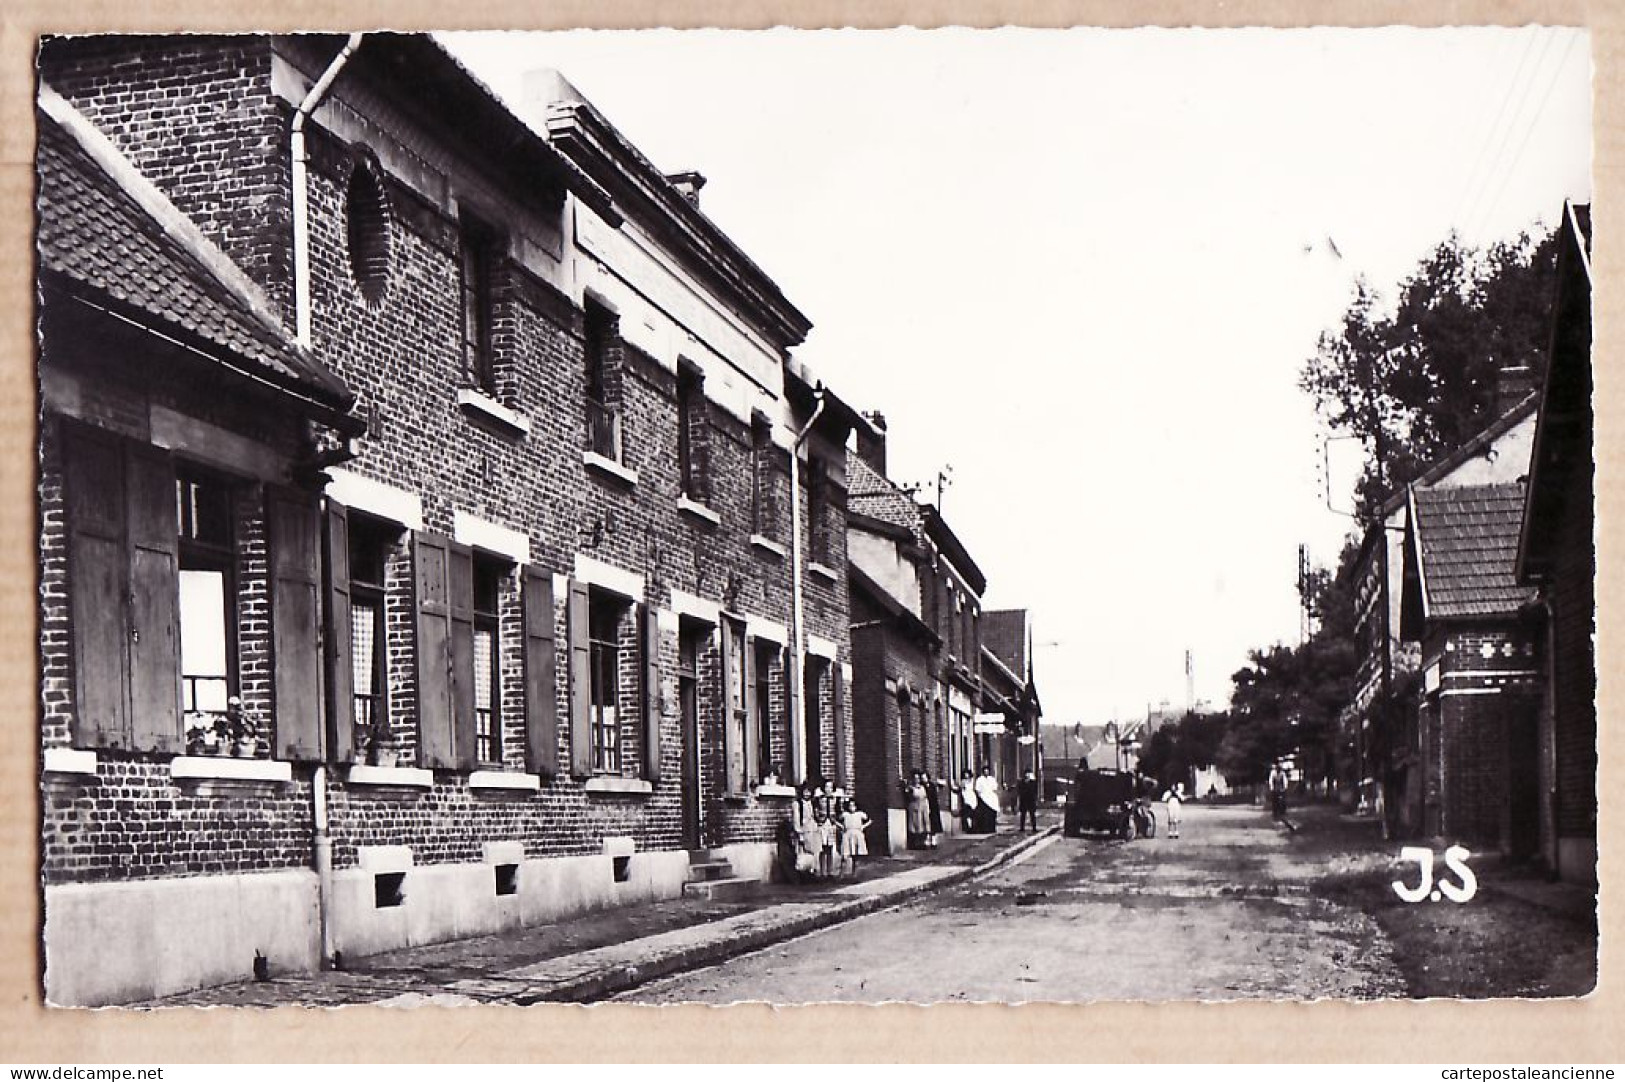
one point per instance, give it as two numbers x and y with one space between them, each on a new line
705 871
721 890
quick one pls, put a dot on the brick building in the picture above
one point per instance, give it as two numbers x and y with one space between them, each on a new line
1557 554
916 641
1010 693
1380 720
570 610
1476 742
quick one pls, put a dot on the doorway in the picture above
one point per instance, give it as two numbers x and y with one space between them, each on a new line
691 639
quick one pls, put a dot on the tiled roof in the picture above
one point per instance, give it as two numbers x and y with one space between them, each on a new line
870 493
117 241
1004 631
1468 538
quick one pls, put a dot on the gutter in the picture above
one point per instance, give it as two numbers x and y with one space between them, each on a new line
301 193
798 728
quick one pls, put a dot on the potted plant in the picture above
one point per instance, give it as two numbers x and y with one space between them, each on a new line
199 732
243 729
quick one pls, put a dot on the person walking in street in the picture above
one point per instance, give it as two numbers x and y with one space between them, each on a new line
1173 799
967 802
1027 802
1277 791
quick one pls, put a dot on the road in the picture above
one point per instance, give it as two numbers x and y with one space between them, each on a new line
1223 912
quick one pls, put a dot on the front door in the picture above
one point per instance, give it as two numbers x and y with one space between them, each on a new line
688 697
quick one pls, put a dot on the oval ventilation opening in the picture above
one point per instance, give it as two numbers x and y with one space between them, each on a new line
367 231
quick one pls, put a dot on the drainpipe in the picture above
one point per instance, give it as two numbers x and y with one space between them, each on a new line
321 843
301 197
798 723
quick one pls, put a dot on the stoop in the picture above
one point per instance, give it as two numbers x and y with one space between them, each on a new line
711 876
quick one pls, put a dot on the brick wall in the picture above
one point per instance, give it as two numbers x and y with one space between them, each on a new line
1573 668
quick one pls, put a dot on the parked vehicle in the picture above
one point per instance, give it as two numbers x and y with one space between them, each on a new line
1100 802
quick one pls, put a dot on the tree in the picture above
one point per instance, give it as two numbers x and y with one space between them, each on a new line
1414 383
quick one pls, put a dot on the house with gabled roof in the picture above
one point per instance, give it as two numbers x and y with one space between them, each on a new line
1480 665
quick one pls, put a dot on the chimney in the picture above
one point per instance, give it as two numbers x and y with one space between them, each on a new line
1513 384
688 185
872 446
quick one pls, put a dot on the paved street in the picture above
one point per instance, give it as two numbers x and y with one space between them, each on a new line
1223 912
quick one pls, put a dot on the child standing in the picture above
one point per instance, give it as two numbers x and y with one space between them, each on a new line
853 845
1174 798
826 844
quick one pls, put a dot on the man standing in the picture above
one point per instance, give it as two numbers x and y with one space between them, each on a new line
1027 802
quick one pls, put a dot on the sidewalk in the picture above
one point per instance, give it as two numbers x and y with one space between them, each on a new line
601 954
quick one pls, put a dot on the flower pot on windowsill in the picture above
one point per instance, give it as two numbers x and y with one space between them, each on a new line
246 747
382 755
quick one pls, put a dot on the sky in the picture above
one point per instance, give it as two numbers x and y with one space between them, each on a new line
1083 269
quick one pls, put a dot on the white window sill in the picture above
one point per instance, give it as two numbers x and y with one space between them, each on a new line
821 571
609 468
620 786
767 544
698 510
408 776
70 761
504 780
481 405
220 768
785 792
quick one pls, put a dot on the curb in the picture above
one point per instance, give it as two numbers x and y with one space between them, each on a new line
616 979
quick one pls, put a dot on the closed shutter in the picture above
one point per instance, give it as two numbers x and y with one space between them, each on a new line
752 721
431 573
336 634
155 629
97 566
838 707
730 724
460 568
651 693
541 690
580 682
294 527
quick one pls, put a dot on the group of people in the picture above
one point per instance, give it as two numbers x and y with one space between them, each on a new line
977 795
827 833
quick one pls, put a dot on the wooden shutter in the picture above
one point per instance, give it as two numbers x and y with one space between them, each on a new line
155 626
295 535
336 634
651 692
730 729
431 574
460 568
97 567
752 725
580 682
541 677
838 707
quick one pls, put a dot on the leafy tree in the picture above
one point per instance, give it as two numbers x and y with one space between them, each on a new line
1417 381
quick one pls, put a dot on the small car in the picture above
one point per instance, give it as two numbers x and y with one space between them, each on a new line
1102 802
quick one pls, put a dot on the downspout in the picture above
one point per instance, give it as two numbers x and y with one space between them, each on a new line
798 723
301 196
321 842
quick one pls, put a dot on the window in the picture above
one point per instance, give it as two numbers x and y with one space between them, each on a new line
819 533
764 497
488 576
603 421
692 431
208 622
366 229
604 630
812 682
767 655
370 544
479 256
